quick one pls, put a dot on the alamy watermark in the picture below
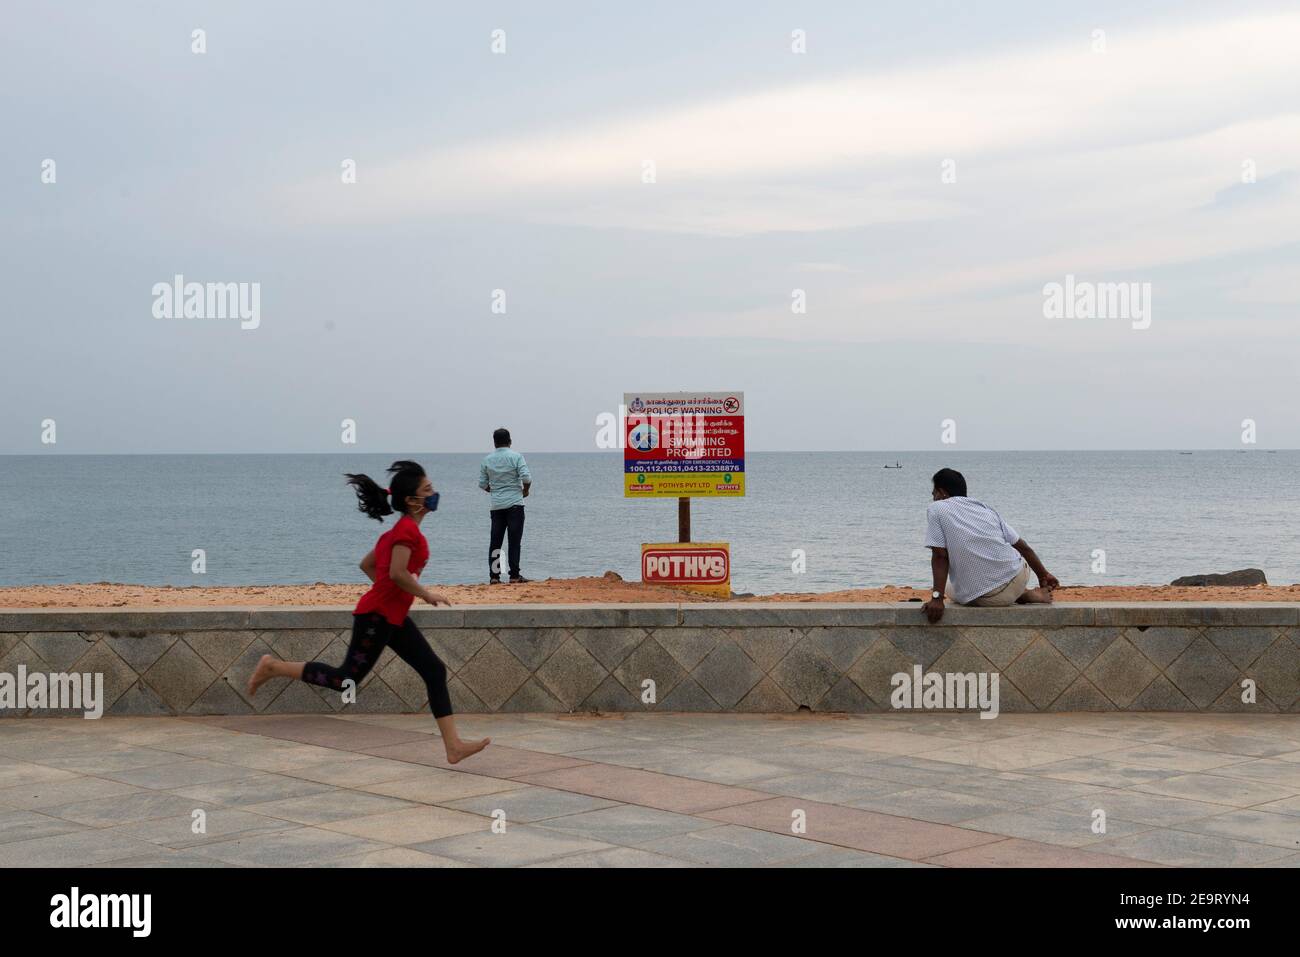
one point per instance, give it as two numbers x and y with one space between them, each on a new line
678 434
951 690
179 299
1074 299
75 909
62 691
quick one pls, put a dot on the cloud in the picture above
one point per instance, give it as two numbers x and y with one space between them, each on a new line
1263 190
842 151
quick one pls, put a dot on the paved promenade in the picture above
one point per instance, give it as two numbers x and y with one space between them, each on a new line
654 790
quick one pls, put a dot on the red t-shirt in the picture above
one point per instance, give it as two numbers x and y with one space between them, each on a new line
384 595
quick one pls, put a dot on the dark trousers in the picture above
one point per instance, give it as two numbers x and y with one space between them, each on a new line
505 520
370 635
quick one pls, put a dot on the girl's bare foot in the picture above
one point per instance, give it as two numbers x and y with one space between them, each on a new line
463 749
260 674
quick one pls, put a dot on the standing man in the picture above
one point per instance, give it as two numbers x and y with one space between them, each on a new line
504 475
987 560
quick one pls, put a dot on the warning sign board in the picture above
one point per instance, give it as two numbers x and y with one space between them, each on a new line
681 444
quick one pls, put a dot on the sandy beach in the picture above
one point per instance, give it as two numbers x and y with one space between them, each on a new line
552 591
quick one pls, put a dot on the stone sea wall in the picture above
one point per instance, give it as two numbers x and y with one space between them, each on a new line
743 657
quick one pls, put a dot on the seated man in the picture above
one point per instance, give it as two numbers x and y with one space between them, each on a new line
987 561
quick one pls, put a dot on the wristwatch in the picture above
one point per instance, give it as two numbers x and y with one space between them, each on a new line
935 594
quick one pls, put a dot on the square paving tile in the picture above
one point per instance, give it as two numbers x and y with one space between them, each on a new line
914 771
218 824
84 846
41 795
1284 774
179 774
839 857
303 845
638 754
1239 792
1067 827
1016 787
1178 848
164 857
1251 824
618 857
1015 852
123 760
256 788
804 755
1251 745
390 857
518 845
832 787
1102 772
434 786
1284 806
894 742
851 827
267 754
123 808
735 847
1004 755
413 825
20 825
1070 743
1152 809
632 786
1174 759
496 761
323 731
356 773
628 824
15 773
932 804
527 804
336 805
718 768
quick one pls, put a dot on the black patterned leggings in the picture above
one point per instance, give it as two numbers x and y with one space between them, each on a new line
370 635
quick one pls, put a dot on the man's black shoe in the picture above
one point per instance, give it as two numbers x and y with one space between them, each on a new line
519 579
494 580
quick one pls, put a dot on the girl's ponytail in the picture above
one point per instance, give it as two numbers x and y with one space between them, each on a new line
371 498
405 479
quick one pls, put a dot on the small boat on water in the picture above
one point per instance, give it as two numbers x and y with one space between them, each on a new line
896 465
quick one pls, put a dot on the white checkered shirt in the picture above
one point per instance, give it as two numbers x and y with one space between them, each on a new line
980 556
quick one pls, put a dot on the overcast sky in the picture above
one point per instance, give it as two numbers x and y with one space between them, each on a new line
1125 156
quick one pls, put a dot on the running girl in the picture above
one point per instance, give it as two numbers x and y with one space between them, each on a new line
380 619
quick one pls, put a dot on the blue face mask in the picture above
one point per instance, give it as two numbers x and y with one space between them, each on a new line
431 503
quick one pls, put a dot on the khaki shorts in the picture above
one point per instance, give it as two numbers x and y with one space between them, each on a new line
1008 593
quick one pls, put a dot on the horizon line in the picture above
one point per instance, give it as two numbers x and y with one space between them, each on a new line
1174 448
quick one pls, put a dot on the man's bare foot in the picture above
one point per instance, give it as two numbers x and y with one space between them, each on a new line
463 749
1036 596
260 674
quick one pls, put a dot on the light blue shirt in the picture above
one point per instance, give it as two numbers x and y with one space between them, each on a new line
505 473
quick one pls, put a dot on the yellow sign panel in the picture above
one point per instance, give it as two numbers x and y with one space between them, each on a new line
677 484
696 566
